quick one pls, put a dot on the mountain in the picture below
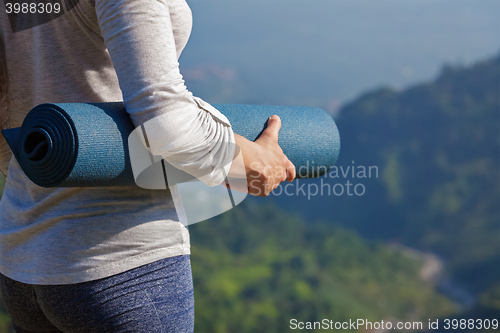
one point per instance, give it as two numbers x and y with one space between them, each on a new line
436 149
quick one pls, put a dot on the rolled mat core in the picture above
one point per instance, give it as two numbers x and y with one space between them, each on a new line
86 144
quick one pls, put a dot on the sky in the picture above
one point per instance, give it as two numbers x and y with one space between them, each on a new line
326 52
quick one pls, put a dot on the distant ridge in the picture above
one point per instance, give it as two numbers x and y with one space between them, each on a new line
437 146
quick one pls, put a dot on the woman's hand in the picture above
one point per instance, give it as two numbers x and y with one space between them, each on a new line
265 165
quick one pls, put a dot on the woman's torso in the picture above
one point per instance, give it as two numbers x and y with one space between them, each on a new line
70 235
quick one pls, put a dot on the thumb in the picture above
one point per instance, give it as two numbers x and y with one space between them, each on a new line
272 129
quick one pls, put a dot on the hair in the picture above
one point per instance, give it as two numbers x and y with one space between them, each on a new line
4 112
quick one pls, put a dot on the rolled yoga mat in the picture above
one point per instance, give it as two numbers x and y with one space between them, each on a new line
86 145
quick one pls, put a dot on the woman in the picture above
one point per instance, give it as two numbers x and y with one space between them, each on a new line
111 259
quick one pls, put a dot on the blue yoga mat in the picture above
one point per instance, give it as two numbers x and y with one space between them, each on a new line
86 145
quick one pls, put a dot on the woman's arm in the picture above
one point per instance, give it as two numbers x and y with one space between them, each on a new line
189 133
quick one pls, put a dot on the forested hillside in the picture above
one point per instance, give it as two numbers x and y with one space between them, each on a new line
438 146
256 267
437 149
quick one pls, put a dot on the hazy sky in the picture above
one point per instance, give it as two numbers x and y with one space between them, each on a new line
328 51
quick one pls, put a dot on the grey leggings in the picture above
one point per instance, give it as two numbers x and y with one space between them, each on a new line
157 297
